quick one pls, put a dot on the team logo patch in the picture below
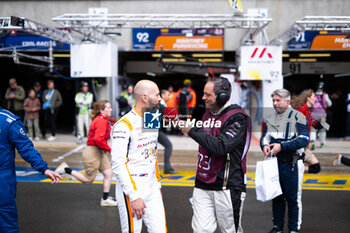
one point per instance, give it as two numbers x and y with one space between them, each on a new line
22 131
151 120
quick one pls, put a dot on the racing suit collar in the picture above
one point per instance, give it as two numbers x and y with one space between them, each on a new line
137 112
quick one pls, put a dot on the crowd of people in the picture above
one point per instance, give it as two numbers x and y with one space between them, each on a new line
38 106
125 149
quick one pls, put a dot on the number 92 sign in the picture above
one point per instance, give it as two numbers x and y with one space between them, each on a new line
144 39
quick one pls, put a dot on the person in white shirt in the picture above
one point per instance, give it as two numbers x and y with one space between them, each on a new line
134 162
83 100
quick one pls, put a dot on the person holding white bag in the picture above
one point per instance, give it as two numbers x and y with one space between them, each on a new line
285 136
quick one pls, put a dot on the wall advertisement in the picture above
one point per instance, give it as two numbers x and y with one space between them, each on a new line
178 39
333 40
26 41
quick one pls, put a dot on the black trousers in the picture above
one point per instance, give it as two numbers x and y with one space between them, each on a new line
168 148
345 161
50 120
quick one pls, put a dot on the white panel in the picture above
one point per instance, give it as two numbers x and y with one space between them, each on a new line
94 60
261 63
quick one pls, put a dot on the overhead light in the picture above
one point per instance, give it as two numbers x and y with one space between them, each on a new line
61 55
211 60
112 34
285 55
314 55
151 74
302 59
307 59
16 21
172 54
287 75
206 55
176 55
341 75
174 60
87 41
249 42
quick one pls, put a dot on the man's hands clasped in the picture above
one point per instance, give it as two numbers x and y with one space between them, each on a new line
272 149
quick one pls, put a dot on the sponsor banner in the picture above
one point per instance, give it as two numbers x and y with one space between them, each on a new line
185 43
178 39
320 40
261 62
23 41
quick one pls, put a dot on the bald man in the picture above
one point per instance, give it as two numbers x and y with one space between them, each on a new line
134 161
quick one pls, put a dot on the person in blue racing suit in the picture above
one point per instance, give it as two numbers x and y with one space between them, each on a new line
13 136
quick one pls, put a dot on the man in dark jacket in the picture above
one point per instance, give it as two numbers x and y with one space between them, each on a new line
224 139
52 100
15 96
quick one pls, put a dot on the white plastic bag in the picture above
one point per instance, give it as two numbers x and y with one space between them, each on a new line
267 180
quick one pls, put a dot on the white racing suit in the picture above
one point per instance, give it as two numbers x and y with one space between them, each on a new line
134 161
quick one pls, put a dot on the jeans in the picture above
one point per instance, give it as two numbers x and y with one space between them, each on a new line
33 123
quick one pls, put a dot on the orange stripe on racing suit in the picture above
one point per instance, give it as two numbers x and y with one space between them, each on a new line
130 217
132 181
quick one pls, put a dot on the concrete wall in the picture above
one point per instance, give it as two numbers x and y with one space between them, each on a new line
283 12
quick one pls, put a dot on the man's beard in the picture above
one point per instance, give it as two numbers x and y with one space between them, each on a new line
152 106
280 110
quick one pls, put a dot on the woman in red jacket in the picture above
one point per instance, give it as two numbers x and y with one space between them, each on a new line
303 103
97 153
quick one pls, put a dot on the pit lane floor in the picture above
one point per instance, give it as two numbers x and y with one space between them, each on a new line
74 208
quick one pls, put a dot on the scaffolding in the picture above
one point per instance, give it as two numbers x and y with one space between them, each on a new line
28 25
313 23
95 27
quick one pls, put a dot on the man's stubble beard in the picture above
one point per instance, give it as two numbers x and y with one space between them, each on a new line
152 106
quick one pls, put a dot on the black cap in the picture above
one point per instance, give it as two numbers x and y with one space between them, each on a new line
37 84
84 84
